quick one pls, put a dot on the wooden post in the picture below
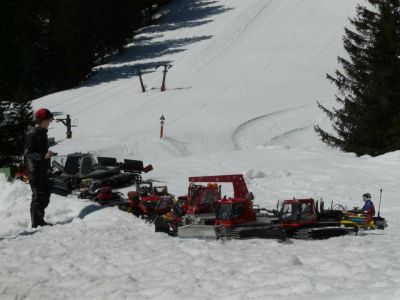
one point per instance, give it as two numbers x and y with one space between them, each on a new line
166 67
67 122
141 80
69 131
162 126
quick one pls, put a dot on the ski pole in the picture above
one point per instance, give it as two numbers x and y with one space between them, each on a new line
380 199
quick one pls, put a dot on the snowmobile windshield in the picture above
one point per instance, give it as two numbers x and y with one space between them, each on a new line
224 212
290 211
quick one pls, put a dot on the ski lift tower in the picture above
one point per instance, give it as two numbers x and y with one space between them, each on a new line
139 72
166 68
67 122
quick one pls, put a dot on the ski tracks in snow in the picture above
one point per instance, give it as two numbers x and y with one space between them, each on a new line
270 128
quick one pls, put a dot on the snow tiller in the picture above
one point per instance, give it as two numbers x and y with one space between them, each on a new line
205 208
145 201
199 205
301 218
297 218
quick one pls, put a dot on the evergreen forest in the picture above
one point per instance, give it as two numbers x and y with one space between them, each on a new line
48 46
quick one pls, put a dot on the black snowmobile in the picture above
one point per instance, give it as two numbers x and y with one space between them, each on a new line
102 171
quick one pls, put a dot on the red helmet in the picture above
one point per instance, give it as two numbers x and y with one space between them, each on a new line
43 114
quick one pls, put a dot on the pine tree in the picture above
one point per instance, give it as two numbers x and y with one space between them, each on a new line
15 118
368 121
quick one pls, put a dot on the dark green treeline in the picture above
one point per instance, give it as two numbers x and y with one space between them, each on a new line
50 45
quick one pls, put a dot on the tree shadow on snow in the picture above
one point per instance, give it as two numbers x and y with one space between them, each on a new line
187 14
179 14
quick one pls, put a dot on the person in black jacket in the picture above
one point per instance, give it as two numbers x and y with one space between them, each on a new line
38 156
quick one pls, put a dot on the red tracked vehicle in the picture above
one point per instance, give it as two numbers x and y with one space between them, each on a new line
143 202
301 218
204 204
201 200
239 218
297 218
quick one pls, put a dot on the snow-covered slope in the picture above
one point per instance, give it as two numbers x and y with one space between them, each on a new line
245 74
241 98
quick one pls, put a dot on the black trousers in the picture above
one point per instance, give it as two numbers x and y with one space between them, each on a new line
41 191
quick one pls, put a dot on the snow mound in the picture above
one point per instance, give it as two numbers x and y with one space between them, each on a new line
391 157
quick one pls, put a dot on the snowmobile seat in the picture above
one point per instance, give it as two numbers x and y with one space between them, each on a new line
131 165
330 215
107 161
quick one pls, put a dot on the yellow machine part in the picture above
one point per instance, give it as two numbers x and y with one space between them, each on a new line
348 223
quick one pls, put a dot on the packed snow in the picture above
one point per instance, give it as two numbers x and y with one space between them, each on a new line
241 99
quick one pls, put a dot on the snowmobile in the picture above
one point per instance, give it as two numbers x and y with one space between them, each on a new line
104 171
363 220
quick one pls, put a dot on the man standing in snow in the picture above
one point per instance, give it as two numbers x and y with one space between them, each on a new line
368 207
38 158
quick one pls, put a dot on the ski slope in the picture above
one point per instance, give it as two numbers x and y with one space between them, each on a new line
241 98
233 62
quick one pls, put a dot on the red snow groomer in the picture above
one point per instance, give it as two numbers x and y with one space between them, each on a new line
106 196
205 206
303 219
239 218
297 218
144 201
199 205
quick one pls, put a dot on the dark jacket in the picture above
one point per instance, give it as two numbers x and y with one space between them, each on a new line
369 207
36 147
